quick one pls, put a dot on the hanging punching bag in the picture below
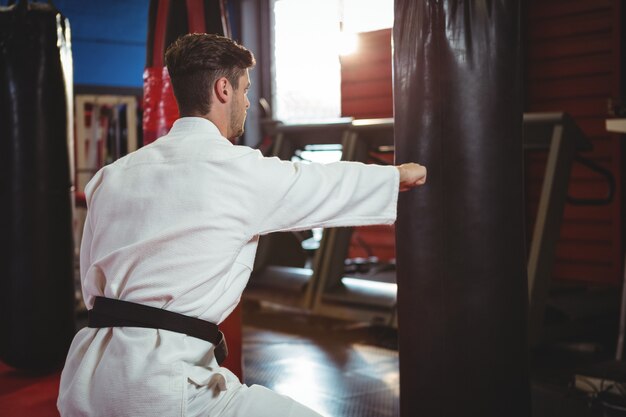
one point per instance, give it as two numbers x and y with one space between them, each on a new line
167 21
462 282
36 261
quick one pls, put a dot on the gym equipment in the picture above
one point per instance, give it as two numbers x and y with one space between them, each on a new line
313 279
368 296
167 21
37 284
558 134
461 263
285 272
100 118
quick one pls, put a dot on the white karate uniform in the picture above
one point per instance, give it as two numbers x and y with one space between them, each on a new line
175 225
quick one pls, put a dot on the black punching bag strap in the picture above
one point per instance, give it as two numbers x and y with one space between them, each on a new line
108 312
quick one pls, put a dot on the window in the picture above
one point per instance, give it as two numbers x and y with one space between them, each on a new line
308 38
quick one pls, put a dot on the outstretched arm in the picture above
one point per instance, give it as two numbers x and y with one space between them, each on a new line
298 196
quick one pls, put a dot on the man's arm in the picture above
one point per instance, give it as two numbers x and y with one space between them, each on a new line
296 196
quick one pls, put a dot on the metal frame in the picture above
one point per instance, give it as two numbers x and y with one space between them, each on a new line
560 136
333 298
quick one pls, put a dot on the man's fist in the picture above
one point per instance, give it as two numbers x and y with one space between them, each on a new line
411 175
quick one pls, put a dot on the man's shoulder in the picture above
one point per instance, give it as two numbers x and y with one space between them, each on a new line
242 150
218 151
194 149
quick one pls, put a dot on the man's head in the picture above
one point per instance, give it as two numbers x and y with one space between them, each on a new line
209 76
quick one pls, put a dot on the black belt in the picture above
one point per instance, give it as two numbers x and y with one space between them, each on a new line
108 312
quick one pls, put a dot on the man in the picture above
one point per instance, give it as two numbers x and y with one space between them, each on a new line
175 226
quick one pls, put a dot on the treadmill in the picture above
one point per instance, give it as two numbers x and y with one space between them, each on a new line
286 267
368 292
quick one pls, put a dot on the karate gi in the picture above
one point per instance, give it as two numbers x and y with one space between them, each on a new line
175 225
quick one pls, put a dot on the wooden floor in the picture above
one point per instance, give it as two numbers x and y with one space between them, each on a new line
341 370
333 368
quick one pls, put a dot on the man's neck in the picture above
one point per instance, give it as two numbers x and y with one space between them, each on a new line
219 121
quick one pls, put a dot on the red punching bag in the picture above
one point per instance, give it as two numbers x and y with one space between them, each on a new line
168 20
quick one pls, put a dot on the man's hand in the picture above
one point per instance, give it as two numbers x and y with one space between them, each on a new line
411 176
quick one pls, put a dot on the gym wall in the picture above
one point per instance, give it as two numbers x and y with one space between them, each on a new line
573 65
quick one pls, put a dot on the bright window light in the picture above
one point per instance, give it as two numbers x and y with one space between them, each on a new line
321 157
307 69
348 43
309 37
366 15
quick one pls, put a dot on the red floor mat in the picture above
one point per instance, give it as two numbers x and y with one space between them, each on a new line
26 394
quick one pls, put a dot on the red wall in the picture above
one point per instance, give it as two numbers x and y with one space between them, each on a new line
366 87
366 93
573 65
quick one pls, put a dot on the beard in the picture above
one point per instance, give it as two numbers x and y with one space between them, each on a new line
237 120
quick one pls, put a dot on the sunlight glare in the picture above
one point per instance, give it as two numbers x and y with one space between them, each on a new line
301 385
349 43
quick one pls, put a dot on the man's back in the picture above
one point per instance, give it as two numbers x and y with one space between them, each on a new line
175 225
167 223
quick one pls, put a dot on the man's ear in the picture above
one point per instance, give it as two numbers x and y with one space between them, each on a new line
223 90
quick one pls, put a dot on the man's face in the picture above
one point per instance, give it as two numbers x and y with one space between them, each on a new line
240 104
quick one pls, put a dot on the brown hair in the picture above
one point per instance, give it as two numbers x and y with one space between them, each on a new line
195 61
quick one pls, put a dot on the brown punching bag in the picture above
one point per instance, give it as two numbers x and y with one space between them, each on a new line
462 285
167 21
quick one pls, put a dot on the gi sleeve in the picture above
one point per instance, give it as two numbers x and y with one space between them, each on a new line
85 248
87 238
300 196
86 243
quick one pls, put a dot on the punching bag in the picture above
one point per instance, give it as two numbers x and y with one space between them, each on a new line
167 21
36 261
462 284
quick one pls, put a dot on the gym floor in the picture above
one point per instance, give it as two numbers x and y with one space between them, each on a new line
331 367
344 370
